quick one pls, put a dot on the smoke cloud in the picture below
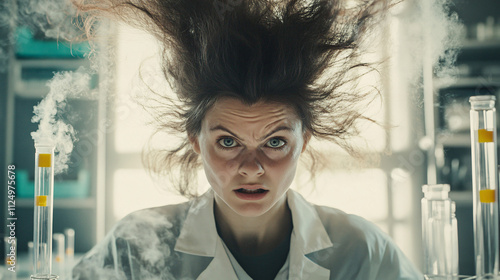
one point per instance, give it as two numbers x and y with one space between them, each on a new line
429 32
52 127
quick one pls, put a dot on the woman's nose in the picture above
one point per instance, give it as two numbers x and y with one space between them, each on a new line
251 166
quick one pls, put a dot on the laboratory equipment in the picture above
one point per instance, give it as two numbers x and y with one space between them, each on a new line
439 233
11 259
454 239
43 209
484 185
30 255
69 234
58 254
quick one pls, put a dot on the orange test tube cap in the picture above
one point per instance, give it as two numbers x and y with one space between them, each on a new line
44 160
484 136
487 196
41 200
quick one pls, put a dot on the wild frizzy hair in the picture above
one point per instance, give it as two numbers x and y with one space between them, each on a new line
306 54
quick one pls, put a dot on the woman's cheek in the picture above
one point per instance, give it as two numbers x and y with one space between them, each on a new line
278 155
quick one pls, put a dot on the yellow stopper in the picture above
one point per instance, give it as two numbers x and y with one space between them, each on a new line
44 160
487 196
484 136
41 200
69 251
58 259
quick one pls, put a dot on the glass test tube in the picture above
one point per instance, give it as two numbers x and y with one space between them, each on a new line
11 259
30 254
69 234
484 185
59 259
438 233
43 208
454 240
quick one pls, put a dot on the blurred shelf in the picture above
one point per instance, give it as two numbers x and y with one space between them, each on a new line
80 203
30 76
467 82
461 197
52 62
454 140
478 45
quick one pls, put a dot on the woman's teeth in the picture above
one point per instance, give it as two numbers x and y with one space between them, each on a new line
251 191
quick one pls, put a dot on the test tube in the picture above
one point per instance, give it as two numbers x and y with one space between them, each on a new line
30 254
59 259
484 185
43 207
69 233
438 233
11 258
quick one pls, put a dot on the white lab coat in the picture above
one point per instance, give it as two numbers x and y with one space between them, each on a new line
181 242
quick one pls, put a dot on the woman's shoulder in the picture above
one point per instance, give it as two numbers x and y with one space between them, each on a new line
333 218
352 230
152 220
362 244
143 241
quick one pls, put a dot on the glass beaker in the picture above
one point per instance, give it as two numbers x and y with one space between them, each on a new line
439 233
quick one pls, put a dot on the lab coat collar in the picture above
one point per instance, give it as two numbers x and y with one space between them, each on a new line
199 237
308 229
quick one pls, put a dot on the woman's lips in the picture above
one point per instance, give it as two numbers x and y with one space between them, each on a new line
251 192
252 187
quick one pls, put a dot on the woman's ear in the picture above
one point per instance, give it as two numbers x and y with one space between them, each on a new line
195 144
307 137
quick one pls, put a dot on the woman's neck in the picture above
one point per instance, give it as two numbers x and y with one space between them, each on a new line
253 235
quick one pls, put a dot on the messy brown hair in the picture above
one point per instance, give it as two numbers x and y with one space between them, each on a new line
305 54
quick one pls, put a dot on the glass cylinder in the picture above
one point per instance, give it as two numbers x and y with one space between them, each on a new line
454 239
69 234
43 208
438 233
484 185
11 259
30 254
59 255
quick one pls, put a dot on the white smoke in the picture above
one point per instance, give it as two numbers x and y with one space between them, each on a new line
429 30
55 18
52 128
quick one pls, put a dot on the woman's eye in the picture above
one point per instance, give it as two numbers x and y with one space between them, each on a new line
276 143
227 142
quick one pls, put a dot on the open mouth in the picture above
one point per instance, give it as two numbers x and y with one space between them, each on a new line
251 194
242 190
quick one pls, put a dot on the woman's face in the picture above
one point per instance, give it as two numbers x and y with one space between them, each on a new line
255 145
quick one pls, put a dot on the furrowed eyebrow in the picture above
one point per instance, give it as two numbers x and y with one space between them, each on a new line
279 128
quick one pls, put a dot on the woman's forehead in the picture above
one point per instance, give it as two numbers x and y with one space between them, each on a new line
266 115
233 106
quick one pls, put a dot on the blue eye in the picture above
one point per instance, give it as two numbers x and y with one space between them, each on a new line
275 143
226 142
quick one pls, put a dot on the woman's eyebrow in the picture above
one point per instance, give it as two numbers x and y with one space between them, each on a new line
279 128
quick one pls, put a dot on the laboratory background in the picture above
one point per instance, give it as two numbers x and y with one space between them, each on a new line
89 90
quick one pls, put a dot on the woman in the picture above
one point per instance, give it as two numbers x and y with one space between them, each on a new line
250 78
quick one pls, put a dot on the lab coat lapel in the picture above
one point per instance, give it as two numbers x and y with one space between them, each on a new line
301 267
198 235
308 236
220 267
199 238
